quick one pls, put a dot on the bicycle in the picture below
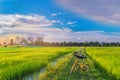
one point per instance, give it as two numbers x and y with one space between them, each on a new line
81 66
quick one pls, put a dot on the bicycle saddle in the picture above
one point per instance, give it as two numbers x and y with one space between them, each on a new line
79 55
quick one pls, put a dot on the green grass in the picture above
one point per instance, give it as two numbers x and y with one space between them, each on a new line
18 62
52 72
61 71
107 58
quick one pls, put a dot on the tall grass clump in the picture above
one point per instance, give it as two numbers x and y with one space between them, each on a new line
18 62
51 71
107 58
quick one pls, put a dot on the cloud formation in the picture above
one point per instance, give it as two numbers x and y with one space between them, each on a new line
71 22
68 35
65 34
58 13
23 20
36 25
101 10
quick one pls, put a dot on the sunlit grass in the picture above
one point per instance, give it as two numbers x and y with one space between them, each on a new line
61 70
108 58
17 62
52 71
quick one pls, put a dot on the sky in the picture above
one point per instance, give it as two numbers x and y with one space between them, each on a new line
61 20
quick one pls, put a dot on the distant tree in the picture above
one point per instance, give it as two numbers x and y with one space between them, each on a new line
39 41
5 44
0 44
30 40
96 43
11 42
57 43
64 43
17 40
23 42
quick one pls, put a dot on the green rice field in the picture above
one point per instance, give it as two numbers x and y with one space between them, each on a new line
56 62
17 62
107 58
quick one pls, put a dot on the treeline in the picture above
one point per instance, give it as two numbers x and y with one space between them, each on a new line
39 41
84 44
21 41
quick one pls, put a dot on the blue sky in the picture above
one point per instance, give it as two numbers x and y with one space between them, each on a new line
71 20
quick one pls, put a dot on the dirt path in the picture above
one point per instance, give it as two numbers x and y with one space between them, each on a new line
63 72
93 73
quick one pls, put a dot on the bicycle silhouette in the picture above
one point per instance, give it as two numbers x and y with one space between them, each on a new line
79 65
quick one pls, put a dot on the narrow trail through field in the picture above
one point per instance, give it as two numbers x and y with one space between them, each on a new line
92 74
35 75
61 71
56 63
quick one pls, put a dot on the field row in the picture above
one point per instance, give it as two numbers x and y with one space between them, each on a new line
107 60
15 63
102 63
18 62
61 71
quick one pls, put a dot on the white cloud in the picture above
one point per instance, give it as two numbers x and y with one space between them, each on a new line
23 20
35 25
107 11
64 22
54 14
57 21
58 13
69 35
65 34
71 22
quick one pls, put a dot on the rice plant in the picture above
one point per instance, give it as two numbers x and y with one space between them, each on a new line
107 58
18 62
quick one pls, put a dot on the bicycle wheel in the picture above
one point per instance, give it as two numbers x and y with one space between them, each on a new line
86 67
72 69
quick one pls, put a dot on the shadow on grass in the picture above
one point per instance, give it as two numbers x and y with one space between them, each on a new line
107 75
63 73
93 73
